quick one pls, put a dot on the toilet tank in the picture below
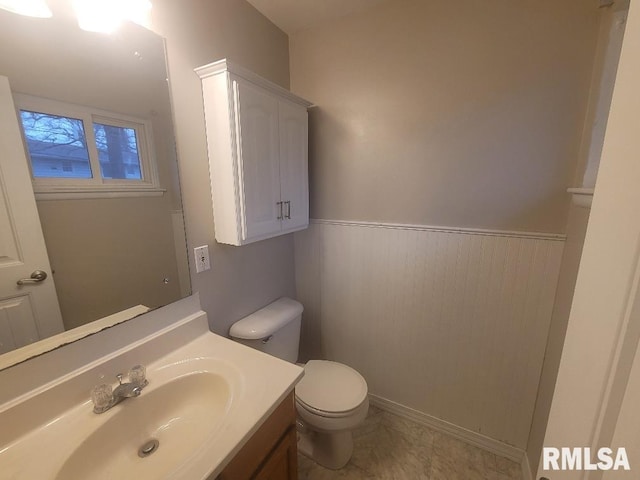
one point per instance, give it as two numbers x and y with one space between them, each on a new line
274 329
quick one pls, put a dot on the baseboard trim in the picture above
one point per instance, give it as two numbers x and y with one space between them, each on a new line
526 468
468 436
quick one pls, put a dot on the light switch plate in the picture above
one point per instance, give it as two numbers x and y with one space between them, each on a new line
202 258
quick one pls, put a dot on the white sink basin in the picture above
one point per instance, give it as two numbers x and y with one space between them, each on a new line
179 415
206 396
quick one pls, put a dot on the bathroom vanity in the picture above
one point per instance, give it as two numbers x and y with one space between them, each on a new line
212 408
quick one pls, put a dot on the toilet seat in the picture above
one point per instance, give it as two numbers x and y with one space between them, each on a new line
322 413
330 389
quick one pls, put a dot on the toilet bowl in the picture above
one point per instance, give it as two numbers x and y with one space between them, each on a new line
331 398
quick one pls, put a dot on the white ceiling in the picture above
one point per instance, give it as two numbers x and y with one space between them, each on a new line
293 15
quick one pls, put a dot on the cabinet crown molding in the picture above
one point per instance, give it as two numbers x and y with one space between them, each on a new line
224 66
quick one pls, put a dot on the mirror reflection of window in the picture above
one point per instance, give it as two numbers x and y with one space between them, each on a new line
72 147
117 151
57 145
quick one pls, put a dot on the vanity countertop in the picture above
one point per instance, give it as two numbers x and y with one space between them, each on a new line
207 395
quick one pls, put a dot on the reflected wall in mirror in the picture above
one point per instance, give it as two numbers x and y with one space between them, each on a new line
112 244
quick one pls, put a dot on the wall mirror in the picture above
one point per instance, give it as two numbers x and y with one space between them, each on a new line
111 219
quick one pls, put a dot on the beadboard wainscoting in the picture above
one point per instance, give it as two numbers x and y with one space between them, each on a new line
448 322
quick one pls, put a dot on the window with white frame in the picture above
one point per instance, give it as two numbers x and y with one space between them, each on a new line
79 150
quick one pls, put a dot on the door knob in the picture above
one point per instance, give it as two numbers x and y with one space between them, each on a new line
36 276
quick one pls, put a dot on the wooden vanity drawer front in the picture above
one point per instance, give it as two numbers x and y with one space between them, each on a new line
245 464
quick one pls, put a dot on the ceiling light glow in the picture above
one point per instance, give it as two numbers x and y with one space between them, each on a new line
97 15
31 8
107 15
138 11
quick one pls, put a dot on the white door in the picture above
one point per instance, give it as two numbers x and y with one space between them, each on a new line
595 398
28 312
294 181
627 429
259 161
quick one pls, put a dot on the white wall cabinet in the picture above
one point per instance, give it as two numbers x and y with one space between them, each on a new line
257 138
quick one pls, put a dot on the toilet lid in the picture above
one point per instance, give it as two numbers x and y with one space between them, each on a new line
331 387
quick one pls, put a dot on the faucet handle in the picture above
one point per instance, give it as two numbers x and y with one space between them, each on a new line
119 377
138 375
102 397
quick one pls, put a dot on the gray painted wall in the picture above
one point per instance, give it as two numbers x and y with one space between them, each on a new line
242 279
457 113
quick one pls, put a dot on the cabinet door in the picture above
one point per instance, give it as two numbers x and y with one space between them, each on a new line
282 464
270 451
294 176
258 156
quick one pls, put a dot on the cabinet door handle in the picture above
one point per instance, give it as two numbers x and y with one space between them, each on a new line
280 205
288 215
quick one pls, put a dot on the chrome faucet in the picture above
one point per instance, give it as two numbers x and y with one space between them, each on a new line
104 398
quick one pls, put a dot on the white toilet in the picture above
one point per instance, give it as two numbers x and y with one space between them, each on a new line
331 398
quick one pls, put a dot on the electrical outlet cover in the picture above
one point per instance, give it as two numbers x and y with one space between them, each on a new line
202 258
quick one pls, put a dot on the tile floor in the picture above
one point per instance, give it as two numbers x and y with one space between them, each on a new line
388 447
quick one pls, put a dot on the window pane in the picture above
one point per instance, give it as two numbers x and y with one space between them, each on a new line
57 145
118 152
